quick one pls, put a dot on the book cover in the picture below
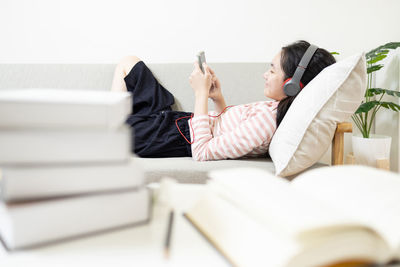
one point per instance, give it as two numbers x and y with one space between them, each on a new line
63 108
35 223
37 182
41 146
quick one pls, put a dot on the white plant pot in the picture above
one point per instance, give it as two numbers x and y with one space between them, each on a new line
368 150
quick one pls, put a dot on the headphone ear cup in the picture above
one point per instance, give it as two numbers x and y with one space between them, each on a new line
290 88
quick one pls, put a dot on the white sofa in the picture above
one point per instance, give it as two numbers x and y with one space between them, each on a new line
241 83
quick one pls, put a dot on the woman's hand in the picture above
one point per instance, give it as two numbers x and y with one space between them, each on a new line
199 81
215 92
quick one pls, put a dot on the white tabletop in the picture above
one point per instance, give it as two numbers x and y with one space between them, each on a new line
135 246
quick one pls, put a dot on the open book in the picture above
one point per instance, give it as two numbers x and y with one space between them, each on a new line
331 216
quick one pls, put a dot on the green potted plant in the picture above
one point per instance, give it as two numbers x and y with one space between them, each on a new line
368 147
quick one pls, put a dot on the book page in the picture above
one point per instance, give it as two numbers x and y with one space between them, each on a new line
243 241
369 195
273 201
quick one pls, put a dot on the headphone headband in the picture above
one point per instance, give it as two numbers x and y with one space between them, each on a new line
292 87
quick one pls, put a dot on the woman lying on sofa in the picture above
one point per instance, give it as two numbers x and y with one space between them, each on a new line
228 132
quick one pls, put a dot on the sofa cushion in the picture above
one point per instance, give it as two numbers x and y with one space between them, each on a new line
241 82
186 170
307 129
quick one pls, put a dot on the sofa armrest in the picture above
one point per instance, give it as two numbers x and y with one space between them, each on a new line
338 142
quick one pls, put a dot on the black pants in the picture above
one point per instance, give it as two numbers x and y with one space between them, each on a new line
152 119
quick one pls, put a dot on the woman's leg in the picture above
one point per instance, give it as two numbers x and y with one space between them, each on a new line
155 132
122 69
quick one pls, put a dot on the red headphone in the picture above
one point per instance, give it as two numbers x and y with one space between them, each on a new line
292 86
289 79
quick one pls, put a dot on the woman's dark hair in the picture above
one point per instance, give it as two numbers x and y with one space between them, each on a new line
290 58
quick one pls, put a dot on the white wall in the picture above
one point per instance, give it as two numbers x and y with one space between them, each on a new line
97 31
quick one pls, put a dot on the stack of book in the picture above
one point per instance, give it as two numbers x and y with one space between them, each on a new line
65 165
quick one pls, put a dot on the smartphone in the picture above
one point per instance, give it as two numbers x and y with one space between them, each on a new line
201 58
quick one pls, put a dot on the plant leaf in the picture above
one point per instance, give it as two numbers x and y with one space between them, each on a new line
378 91
376 58
374 68
374 52
365 107
334 53
391 45
374 91
390 105
380 53
392 93
383 52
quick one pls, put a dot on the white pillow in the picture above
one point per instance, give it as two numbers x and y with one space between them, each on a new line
307 129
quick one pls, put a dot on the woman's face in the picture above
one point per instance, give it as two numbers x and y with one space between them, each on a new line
274 80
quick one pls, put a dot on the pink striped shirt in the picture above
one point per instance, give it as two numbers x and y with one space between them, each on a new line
243 130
